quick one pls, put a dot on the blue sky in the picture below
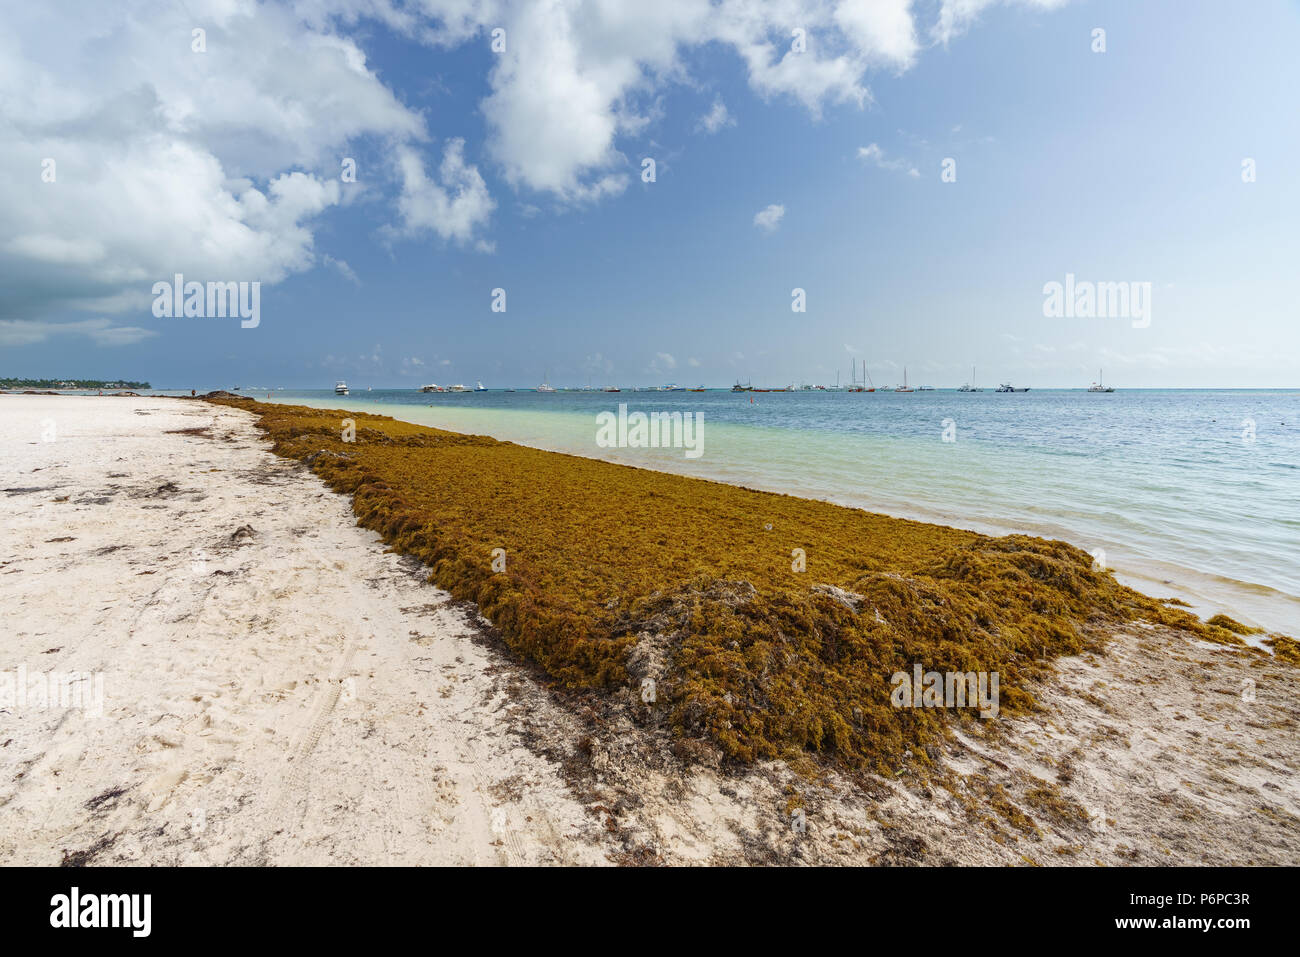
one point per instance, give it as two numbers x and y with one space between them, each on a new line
1122 166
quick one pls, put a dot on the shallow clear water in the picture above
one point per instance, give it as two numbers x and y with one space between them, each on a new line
1166 483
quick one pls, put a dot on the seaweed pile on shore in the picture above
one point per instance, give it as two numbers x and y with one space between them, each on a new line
611 577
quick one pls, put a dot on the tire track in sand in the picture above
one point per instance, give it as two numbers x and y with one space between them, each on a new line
292 784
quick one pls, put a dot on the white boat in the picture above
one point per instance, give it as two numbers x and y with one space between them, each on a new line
903 387
340 388
479 386
458 387
432 387
1099 386
970 386
1008 387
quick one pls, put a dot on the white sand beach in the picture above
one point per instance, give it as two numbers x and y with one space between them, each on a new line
279 689
276 687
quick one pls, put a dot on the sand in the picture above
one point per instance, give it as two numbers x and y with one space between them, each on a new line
284 694
278 689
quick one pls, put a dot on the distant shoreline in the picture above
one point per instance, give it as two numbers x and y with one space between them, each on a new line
634 390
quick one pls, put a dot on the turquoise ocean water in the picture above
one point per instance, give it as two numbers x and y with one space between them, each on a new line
1188 493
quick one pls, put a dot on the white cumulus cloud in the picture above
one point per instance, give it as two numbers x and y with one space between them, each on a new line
129 156
769 218
955 16
716 118
453 208
874 154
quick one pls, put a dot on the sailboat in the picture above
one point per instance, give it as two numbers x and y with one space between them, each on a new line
970 386
867 385
546 386
1098 386
903 387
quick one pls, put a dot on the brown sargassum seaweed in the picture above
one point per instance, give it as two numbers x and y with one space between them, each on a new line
615 574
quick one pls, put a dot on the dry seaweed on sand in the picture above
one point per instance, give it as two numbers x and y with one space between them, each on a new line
614 575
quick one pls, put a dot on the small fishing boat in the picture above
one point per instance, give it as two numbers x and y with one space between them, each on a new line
700 389
479 386
612 388
340 388
1008 387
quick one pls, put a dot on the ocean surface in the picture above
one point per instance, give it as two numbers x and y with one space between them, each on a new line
1194 494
